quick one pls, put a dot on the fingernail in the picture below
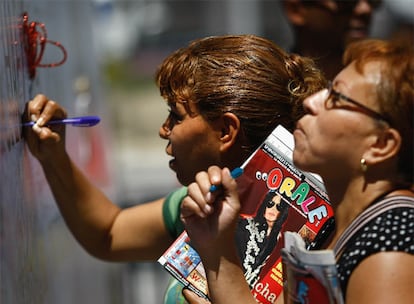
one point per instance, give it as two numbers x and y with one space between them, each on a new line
33 117
207 209
208 196
36 128
40 121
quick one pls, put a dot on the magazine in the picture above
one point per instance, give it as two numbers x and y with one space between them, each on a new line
183 263
275 197
309 276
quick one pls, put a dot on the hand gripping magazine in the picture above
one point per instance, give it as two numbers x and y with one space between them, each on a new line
276 197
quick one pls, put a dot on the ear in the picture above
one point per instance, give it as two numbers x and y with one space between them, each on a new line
295 12
230 128
386 146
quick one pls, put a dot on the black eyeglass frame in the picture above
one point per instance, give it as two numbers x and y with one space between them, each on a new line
345 6
364 109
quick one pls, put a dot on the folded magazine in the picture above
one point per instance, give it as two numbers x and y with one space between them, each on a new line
309 276
276 197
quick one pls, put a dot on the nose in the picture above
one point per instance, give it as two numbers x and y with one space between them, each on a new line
314 103
363 7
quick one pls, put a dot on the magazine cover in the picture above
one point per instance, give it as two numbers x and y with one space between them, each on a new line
183 263
276 197
309 276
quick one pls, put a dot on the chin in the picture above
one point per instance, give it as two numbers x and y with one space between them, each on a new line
295 158
355 36
300 164
185 181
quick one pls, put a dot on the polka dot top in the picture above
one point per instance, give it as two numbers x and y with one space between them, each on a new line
392 230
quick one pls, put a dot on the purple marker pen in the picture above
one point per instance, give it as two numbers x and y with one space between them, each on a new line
82 121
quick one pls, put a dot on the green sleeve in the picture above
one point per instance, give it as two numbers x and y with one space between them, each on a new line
171 211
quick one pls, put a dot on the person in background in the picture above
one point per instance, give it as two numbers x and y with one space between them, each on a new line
323 28
357 134
225 95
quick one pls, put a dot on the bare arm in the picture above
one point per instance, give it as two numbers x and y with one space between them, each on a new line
210 221
386 277
100 226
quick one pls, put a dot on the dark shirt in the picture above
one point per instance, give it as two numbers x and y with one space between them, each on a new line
392 230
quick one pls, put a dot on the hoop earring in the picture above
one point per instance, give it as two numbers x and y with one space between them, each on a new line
364 166
293 87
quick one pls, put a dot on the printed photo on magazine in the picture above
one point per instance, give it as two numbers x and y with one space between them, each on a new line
276 197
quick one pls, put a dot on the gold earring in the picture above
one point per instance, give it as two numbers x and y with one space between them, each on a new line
364 166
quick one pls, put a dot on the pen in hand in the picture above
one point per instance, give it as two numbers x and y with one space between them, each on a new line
82 121
235 173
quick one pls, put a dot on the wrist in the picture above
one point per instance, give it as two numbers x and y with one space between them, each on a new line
59 162
214 255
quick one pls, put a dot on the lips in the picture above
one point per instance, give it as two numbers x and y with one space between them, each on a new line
299 127
358 30
171 164
273 214
168 151
358 33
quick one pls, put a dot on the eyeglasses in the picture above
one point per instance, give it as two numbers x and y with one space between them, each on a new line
271 203
349 5
334 98
345 6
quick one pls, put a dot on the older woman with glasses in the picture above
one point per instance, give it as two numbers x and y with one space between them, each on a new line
358 135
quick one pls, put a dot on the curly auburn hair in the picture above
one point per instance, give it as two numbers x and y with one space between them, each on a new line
247 75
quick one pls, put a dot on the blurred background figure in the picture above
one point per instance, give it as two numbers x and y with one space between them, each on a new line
323 28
